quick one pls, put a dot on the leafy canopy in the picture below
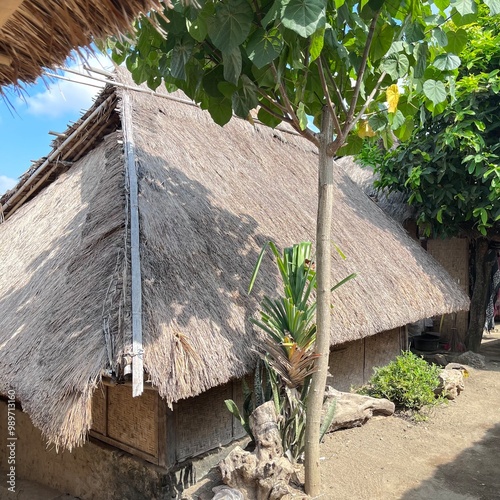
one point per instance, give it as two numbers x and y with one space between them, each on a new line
290 58
450 167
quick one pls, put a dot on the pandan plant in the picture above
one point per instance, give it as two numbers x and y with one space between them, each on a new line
288 355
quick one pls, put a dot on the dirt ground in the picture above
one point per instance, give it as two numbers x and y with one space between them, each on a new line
455 455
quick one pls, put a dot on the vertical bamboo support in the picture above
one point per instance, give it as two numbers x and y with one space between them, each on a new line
137 349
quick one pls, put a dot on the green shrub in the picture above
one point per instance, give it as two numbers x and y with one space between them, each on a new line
408 381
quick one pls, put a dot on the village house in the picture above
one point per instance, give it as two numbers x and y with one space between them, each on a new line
125 258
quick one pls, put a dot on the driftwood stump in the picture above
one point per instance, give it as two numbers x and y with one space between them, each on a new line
264 474
353 410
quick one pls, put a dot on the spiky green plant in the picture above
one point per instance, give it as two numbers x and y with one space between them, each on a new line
289 321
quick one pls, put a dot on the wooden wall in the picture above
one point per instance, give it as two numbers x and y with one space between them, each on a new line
352 363
147 428
453 255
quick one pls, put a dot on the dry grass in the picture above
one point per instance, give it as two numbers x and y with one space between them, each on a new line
62 261
41 34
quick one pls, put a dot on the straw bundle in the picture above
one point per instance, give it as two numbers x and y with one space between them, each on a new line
40 34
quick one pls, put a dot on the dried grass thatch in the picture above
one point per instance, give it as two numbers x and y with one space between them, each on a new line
209 197
62 265
36 34
393 204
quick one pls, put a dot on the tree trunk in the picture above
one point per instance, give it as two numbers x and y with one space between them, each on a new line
323 275
480 295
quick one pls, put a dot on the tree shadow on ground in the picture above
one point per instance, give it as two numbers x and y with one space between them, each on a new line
491 350
474 474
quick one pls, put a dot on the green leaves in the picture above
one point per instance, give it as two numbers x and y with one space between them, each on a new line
464 7
382 41
494 6
264 47
303 16
180 57
446 62
231 24
396 65
232 65
317 43
435 91
456 40
220 110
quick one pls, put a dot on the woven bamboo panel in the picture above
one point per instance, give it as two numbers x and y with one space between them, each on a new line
99 410
453 255
346 365
203 422
380 350
133 421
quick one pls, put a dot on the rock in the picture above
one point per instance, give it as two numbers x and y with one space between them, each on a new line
440 359
227 493
265 473
472 359
451 383
457 366
353 410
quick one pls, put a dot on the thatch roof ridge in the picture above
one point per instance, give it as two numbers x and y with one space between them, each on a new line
80 137
41 34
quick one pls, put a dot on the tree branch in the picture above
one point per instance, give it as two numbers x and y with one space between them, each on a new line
331 106
274 101
284 95
309 135
370 97
337 91
276 115
361 72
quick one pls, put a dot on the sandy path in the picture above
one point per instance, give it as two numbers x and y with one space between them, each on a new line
453 456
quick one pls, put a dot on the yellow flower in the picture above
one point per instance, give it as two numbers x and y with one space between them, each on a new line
365 130
392 96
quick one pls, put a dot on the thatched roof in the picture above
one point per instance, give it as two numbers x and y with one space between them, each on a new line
209 197
393 204
36 34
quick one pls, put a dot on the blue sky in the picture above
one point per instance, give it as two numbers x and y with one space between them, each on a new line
43 106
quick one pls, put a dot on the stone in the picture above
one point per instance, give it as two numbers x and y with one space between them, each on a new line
227 493
353 410
440 359
264 473
451 383
472 359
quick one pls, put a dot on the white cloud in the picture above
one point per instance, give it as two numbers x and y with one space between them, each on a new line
63 97
6 183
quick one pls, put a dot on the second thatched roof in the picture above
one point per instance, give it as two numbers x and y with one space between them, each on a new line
209 198
37 34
